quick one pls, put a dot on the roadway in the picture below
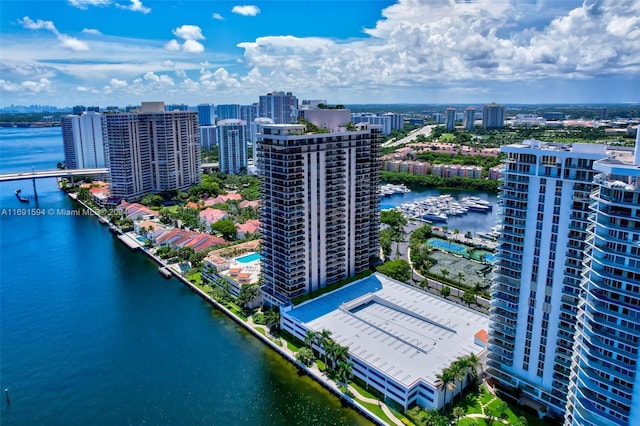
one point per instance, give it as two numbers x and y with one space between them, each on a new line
7 177
426 131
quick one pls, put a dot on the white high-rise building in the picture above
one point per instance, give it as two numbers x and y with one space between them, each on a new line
281 107
152 151
605 378
83 138
233 136
545 206
208 137
320 207
255 130
492 116
469 118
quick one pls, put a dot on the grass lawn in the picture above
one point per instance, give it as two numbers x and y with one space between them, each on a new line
174 208
321 365
362 391
195 278
375 410
261 331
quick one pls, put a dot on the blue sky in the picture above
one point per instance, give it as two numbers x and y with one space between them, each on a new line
121 52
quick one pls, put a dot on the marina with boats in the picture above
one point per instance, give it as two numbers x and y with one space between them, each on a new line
440 208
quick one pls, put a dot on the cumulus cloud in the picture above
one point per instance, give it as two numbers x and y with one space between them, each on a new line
192 46
67 41
83 4
190 34
91 31
248 10
27 86
217 16
134 6
418 42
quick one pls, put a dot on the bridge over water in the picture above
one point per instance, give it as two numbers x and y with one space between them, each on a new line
42 174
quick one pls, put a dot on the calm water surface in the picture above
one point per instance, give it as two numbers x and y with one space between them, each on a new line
91 334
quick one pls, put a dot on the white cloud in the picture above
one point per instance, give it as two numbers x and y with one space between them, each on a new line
73 43
248 10
28 86
67 41
192 46
117 84
30 24
172 45
188 32
91 31
217 16
83 4
135 6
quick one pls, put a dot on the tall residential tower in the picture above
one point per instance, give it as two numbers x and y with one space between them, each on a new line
320 205
605 378
152 151
545 196
83 137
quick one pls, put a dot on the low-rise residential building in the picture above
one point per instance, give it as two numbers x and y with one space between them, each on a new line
399 338
182 238
210 216
136 211
251 226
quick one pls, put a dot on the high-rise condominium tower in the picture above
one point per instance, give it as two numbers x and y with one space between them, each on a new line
535 294
450 118
206 114
83 138
320 206
469 119
233 136
605 379
281 107
152 151
492 116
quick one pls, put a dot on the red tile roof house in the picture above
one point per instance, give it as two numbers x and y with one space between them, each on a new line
209 216
250 227
149 229
222 199
137 211
253 204
183 238
191 205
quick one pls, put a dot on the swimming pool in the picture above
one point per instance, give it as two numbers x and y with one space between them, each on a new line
251 257
447 246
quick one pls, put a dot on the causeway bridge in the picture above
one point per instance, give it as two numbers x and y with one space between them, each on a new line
6 177
42 174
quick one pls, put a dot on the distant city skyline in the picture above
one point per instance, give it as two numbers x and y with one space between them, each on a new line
118 52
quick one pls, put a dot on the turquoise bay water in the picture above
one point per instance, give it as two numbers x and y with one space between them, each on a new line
91 334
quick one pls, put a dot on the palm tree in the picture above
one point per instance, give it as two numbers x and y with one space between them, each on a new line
444 273
445 379
340 354
329 350
458 413
247 294
310 338
272 318
458 373
460 277
323 338
473 362
345 370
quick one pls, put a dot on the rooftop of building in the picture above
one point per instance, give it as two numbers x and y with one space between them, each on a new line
397 329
